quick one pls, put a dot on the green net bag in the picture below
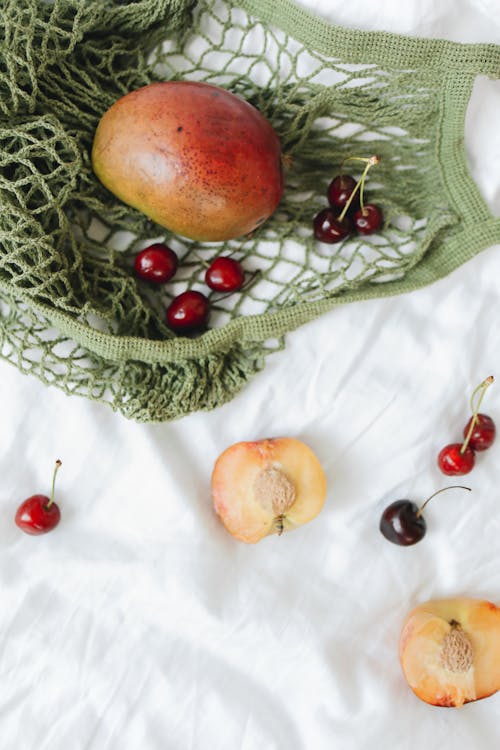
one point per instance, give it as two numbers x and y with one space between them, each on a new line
71 311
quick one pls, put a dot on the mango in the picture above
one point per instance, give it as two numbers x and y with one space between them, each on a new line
193 157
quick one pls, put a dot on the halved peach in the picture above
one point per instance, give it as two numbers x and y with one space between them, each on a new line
267 487
450 650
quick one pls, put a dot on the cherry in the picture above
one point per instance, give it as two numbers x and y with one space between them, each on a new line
401 524
330 228
453 461
340 190
225 275
482 433
368 219
188 311
39 514
156 263
402 521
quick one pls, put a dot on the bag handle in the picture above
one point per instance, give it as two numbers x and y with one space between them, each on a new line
381 47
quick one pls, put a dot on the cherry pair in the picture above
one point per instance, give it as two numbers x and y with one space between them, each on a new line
188 311
158 263
479 433
348 211
39 514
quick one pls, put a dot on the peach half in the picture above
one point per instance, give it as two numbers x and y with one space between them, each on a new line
267 487
450 651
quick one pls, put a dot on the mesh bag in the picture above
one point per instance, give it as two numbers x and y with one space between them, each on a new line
71 311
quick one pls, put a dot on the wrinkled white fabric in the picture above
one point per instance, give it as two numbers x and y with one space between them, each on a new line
140 624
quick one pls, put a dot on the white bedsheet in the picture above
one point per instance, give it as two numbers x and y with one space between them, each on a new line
140 624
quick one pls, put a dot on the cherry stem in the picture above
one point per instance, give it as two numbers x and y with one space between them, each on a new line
443 489
200 259
363 159
481 389
360 185
58 464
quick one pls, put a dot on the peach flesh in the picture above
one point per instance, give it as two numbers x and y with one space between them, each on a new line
450 651
267 487
191 156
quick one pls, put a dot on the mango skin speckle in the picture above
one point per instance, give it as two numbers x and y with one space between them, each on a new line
193 157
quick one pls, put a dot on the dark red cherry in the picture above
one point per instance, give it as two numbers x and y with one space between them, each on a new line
402 521
225 275
401 524
188 311
39 514
453 462
328 228
156 263
340 190
483 433
368 219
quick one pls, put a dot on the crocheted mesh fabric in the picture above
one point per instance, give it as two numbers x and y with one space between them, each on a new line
72 312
